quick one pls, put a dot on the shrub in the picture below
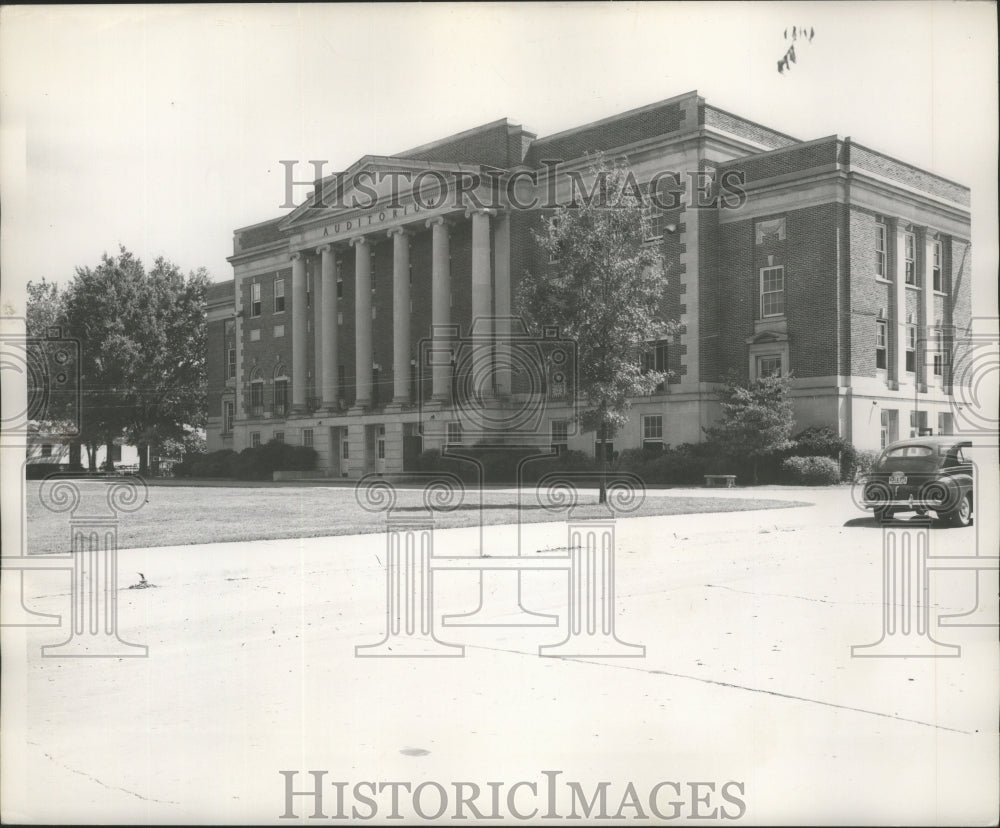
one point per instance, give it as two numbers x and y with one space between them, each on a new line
811 471
250 464
864 461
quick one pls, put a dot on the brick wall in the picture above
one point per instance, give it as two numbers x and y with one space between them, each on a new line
866 159
794 159
627 129
269 351
493 145
215 365
710 116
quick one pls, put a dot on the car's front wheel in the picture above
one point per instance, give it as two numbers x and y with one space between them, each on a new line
884 515
962 514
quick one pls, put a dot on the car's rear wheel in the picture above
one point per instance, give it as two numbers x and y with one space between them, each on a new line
962 514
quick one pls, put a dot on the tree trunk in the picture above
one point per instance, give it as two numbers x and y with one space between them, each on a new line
109 463
755 471
602 496
92 457
143 458
74 457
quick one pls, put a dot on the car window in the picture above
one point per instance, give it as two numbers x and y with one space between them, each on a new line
910 451
959 457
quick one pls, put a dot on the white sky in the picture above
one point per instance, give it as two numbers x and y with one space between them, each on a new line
162 127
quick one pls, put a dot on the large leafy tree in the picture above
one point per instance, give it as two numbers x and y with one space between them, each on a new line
142 343
757 418
603 288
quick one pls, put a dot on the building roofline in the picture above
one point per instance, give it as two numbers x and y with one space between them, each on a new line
449 138
755 123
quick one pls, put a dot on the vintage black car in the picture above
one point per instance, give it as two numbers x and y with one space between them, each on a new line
923 474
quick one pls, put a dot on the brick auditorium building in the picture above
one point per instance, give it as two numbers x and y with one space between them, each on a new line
844 266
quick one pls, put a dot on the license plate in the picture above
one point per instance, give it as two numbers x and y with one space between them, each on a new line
897 479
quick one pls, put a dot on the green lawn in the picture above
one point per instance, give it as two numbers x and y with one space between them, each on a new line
184 514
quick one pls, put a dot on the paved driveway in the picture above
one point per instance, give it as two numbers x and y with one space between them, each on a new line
746 703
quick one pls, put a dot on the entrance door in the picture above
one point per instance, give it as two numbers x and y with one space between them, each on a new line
335 451
380 450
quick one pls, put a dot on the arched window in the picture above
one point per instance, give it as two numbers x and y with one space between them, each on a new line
280 391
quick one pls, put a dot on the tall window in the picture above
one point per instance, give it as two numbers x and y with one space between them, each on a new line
228 414
881 258
280 397
307 437
910 258
454 435
560 436
772 291
257 398
279 437
937 281
254 439
230 337
340 279
654 358
652 431
945 424
309 290
938 358
884 430
279 295
911 348
881 348
768 365
652 224
255 299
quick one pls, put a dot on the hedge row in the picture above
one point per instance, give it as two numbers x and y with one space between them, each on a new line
250 464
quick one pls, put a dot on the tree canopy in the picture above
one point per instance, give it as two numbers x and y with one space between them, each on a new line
603 289
142 346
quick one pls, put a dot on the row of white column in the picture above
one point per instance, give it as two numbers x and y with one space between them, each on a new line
326 310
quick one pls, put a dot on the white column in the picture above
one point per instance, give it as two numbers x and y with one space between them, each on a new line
440 295
482 288
362 321
298 333
400 315
327 329
501 300
317 327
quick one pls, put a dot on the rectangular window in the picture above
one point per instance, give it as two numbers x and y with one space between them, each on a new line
560 436
910 258
46 449
345 450
280 398
279 437
454 435
918 424
279 295
881 338
881 259
652 431
228 414
654 358
884 430
231 362
937 281
945 424
770 231
772 291
340 279
307 437
911 348
257 398
769 365
309 290
255 299
652 223
254 439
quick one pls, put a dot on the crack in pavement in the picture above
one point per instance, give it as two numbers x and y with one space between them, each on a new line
816 600
732 686
51 758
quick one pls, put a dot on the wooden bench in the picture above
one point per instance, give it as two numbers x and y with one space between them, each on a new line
726 481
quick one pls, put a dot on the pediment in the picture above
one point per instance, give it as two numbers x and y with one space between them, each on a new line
372 182
767 337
